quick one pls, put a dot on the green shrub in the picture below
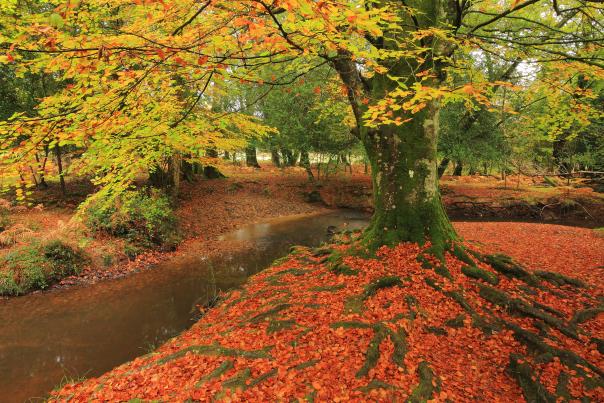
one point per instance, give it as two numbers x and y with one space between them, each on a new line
36 266
5 221
8 285
144 219
63 259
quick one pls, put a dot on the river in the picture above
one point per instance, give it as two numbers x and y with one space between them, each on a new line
49 337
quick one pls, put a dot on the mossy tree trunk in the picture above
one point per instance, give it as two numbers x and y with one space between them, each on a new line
305 163
251 160
458 168
403 158
275 157
406 197
442 167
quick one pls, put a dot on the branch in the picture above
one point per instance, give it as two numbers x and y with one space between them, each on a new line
190 20
188 112
502 15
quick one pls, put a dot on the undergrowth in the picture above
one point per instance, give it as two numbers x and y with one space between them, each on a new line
144 218
36 266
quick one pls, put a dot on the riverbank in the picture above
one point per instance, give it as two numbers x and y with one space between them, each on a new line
207 209
323 324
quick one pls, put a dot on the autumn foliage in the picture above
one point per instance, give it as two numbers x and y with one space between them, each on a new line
326 324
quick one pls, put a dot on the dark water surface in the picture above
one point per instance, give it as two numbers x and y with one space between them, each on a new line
86 331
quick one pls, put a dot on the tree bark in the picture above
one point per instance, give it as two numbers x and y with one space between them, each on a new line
305 162
407 202
403 159
176 165
442 167
251 160
458 169
60 168
288 157
275 157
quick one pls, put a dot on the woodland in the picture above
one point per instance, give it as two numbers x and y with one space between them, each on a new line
467 135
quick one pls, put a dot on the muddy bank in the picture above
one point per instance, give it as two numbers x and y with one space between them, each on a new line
483 198
208 209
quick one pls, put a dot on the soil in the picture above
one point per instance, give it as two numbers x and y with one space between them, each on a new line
210 208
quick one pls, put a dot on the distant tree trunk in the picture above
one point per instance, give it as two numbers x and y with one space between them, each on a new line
458 169
275 157
305 162
211 152
42 168
288 157
442 167
176 165
226 156
60 167
472 170
346 163
189 169
33 174
251 160
210 171
558 152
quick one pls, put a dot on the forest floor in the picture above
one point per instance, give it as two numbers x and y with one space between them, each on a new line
210 208
328 324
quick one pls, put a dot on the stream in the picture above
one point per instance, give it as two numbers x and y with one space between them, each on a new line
47 338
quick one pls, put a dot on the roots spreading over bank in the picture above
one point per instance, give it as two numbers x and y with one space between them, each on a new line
325 324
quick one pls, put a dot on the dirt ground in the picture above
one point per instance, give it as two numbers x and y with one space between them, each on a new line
208 209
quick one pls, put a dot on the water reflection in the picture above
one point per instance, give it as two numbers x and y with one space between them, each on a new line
87 331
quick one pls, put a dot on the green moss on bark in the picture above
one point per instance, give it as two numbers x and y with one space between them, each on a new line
480 274
426 387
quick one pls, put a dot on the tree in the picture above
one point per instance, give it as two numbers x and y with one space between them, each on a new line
394 59
311 115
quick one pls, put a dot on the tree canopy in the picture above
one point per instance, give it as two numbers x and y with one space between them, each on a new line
142 79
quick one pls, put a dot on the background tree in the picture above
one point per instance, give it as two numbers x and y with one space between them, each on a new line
396 60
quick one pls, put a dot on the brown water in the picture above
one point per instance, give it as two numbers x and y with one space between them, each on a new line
86 331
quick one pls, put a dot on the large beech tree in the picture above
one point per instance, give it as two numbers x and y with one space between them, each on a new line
129 63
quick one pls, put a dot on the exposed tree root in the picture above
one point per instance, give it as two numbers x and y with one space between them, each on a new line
421 317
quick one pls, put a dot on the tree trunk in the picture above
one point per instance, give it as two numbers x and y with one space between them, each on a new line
305 162
559 153
458 169
211 172
442 167
176 165
42 168
60 168
407 201
251 160
275 157
211 152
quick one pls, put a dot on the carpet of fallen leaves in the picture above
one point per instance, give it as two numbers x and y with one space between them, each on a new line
572 251
482 197
326 325
211 208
